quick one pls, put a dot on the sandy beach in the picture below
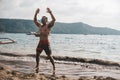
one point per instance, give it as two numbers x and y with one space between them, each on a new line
6 73
22 69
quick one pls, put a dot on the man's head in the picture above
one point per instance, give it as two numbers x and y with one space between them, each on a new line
44 20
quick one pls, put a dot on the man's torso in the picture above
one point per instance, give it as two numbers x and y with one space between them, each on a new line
44 32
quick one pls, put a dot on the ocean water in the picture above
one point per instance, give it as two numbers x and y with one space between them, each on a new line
103 47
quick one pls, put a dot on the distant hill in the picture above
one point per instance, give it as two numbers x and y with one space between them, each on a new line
16 26
82 28
25 26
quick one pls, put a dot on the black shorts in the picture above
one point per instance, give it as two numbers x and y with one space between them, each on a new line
45 47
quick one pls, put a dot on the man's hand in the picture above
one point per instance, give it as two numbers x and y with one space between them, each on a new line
37 11
35 18
51 23
48 10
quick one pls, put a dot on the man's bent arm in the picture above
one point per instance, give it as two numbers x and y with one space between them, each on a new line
35 18
53 18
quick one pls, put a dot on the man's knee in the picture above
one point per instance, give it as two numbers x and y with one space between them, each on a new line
51 57
37 54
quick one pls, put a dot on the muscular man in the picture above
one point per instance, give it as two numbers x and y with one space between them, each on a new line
44 44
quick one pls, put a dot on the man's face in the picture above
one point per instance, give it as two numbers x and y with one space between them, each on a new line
44 19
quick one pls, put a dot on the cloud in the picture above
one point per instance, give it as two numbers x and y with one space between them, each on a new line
27 3
94 12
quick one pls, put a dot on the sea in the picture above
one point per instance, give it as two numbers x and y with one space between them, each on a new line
75 55
102 47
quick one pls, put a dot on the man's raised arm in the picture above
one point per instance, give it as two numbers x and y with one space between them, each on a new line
35 18
52 16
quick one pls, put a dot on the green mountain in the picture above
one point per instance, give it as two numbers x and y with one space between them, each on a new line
25 26
82 28
16 26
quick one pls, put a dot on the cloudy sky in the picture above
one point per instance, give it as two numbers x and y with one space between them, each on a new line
99 13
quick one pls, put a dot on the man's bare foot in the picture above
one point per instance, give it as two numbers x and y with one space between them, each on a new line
36 69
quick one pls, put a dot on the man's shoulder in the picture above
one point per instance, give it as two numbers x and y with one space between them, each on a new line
50 25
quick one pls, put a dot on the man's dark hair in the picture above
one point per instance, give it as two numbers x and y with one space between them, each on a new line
42 20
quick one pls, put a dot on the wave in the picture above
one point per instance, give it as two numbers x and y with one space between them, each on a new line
69 59
84 60
12 55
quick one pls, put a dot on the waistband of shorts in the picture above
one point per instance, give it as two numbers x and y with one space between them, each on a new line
44 42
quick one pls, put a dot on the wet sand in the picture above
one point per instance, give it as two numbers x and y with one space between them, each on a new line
23 70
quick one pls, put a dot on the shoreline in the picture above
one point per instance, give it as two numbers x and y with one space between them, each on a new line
6 73
65 70
67 59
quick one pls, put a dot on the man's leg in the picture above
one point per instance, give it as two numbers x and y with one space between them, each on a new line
49 54
38 52
53 63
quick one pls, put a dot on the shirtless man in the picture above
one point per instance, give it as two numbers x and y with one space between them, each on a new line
44 44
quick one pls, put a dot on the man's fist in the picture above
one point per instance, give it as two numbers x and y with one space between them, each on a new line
38 10
48 10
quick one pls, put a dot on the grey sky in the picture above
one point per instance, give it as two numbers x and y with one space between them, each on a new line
99 13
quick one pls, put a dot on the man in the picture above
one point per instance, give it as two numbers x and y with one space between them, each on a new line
44 44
